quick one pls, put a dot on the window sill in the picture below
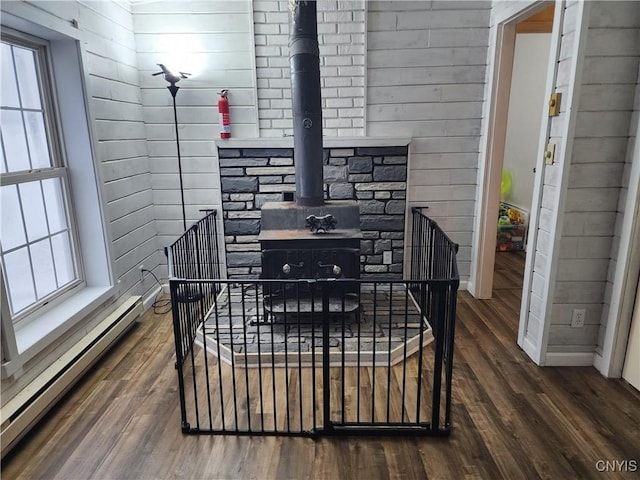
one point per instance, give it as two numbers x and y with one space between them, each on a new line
51 325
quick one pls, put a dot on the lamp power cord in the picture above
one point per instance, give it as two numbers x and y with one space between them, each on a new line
160 306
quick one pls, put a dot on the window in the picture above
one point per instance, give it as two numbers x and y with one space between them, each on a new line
56 272
38 244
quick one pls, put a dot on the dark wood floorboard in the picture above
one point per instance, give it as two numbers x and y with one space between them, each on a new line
511 418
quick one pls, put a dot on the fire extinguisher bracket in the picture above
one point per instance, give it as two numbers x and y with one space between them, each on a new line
223 114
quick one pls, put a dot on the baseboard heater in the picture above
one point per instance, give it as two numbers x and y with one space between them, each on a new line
22 412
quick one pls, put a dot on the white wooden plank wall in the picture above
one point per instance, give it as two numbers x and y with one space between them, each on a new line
212 40
426 68
590 237
119 128
341 36
635 117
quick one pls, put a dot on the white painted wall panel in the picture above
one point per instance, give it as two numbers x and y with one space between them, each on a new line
118 126
341 36
213 41
426 68
595 182
615 241
526 106
546 240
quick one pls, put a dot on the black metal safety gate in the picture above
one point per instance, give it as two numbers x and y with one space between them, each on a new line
311 357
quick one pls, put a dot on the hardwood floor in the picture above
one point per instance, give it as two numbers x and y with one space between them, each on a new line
511 418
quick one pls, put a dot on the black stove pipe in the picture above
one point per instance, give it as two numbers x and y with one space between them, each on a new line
304 59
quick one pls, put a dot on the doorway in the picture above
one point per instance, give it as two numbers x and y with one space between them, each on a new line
527 104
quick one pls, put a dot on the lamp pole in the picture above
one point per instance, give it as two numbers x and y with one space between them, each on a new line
173 88
174 78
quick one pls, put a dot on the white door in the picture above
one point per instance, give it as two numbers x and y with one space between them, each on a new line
631 370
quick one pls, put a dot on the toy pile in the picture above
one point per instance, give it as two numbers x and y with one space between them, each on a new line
512 228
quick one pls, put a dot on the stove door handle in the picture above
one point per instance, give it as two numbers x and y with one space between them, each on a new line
335 269
287 267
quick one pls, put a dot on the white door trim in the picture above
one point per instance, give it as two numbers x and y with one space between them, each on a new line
502 37
490 171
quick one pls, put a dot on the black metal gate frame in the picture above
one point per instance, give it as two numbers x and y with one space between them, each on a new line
433 257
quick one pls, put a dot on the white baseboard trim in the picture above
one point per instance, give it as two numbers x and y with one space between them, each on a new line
464 285
601 365
470 287
149 299
572 359
531 350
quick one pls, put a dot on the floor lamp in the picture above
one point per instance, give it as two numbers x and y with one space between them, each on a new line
174 78
187 294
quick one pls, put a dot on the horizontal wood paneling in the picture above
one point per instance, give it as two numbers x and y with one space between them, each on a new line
114 85
588 244
426 67
212 41
119 127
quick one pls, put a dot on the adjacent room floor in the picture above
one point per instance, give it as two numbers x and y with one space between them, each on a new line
511 418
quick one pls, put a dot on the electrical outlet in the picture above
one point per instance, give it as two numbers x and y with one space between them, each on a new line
387 257
577 317
142 270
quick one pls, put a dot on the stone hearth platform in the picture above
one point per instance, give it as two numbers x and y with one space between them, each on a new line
384 332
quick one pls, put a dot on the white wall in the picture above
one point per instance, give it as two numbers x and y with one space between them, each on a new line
213 41
576 234
426 69
594 197
526 105
120 133
341 36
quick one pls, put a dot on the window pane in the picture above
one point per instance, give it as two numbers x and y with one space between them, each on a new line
18 280
63 258
12 234
9 92
27 77
43 268
54 201
33 208
37 138
14 141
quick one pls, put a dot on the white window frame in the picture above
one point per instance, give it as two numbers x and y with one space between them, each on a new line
57 170
70 78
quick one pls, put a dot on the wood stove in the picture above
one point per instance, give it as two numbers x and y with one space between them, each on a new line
298 253
308 238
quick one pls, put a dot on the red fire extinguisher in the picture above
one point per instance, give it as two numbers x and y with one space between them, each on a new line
223 114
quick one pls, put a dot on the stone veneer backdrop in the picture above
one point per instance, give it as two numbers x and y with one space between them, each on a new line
374 176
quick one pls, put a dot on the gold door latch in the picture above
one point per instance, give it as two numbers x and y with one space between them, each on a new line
549 153
554 104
